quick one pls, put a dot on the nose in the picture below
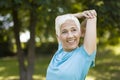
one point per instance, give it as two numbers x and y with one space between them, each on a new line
70 34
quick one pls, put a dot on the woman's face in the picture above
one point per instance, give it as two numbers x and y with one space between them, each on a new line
69 35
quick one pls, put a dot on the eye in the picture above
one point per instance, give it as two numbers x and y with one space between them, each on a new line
73 30
64 31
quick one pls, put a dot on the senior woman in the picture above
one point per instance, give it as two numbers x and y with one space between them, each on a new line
73 61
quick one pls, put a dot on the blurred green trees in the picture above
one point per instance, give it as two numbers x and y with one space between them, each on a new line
37 17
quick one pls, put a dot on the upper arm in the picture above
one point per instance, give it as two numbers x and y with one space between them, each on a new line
90 36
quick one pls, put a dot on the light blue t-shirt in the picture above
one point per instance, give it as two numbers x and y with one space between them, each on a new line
72 65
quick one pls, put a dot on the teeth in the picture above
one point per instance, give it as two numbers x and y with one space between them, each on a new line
71 41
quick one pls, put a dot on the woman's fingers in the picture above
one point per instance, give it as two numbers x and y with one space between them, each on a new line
90 14
93 12
85 14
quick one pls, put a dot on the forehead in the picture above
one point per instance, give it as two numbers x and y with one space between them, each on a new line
68 24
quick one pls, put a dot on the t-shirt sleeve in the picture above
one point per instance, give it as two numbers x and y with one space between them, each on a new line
90 57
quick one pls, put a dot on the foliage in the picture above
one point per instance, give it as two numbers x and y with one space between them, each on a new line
108 16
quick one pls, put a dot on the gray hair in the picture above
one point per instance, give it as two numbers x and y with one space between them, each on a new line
62 18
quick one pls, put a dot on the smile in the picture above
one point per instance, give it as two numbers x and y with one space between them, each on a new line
71 41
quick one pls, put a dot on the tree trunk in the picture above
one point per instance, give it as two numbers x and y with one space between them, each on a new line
31 47
16 29
26 72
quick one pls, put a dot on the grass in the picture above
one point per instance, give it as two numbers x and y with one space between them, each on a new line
9 68
107 67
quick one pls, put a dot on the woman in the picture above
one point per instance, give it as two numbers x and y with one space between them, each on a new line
71 61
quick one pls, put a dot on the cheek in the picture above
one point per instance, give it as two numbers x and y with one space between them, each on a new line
78 34
62 38
63 41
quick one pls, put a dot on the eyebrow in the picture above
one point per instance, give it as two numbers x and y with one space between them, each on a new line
71 28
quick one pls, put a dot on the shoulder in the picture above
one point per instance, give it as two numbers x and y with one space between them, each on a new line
83 52
88 57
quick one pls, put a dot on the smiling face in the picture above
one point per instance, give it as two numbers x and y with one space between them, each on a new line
69 35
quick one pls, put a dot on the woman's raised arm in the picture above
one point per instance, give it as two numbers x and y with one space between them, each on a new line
90 32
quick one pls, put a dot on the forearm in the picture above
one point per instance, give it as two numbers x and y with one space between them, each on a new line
90 35
78 15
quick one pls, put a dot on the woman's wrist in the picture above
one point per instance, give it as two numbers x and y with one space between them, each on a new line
88 14
78 15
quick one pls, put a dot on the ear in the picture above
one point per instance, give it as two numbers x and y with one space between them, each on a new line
58 39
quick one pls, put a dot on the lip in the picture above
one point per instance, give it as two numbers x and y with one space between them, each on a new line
72 41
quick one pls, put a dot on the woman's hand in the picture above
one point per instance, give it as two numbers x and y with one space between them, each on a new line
88 14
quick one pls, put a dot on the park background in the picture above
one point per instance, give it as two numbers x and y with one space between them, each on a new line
28 40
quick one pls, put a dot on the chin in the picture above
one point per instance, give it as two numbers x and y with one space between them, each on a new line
71 48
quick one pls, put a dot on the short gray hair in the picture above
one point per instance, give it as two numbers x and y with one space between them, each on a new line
62 18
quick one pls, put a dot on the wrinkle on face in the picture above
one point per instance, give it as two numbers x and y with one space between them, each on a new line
69 35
